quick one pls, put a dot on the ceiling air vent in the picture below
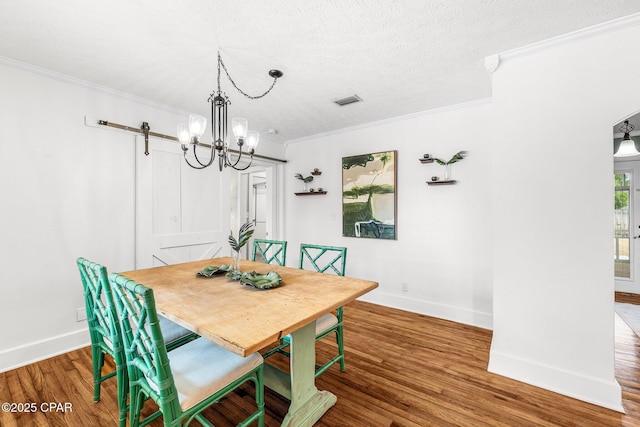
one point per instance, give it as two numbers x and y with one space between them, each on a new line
348 100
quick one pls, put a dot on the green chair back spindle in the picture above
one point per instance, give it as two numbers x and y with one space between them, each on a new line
104 331
149 368
270 251
323 258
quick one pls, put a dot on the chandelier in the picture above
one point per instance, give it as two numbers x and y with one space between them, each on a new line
189 135
627 146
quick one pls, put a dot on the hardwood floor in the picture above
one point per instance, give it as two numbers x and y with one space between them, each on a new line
403 369
628 298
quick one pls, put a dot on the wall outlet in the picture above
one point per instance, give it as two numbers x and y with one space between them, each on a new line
81 314
404 286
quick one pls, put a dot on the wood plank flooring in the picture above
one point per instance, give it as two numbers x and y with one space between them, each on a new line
403 369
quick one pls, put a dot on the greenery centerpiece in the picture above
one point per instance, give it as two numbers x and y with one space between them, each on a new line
244 234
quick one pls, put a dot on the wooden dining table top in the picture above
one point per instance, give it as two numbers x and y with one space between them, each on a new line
241 318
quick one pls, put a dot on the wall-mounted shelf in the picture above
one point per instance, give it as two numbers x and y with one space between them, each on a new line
427 158
315 172
448 182
311 193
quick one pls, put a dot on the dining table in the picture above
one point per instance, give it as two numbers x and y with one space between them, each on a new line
245 319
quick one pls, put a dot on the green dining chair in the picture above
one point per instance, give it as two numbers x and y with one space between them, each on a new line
330 260
105 333
186 381
270 251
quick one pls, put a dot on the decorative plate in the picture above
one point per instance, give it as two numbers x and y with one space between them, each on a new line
261 281
213 270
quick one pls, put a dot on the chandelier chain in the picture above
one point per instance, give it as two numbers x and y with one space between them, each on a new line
221 64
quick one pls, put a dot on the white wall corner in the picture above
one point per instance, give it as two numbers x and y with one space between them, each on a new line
491 63
605 393
23 355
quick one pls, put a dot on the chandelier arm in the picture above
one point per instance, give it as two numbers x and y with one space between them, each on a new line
221 63
246 167
195 154
186 159
240 153
229 161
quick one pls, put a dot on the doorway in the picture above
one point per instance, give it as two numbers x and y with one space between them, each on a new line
256 199
622 224
254 193
626 222
626 216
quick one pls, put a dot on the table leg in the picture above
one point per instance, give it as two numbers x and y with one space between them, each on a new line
308 403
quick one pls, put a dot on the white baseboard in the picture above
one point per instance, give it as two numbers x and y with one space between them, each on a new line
429 308
607 394
39 350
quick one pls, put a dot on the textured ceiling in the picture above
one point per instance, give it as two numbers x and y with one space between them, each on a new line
400 57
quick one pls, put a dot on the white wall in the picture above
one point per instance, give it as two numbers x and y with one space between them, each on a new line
552 195
443 247
67 191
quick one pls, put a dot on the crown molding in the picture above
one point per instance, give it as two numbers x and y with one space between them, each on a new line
434 111
10 62
492 62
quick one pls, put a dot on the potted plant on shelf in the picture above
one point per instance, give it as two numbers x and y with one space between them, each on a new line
306 180
447 165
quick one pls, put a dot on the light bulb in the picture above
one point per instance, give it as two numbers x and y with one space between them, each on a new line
239 125
253 137
183 134
197 125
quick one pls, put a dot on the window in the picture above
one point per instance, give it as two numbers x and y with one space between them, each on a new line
622 225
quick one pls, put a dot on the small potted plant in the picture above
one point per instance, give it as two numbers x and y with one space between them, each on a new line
306 180
447 165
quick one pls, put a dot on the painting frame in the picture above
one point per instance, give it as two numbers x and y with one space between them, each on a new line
370 196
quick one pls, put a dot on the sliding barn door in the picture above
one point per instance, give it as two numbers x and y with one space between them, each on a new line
182 214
